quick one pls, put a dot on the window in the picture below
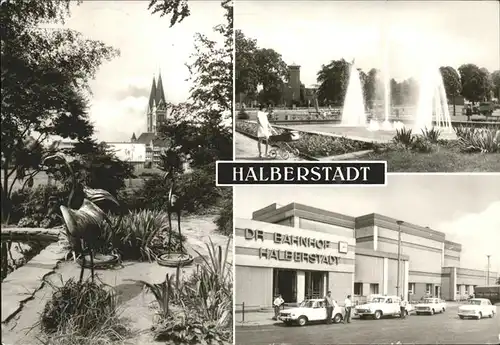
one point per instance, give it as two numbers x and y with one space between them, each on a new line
458 289
466 291
374 289
358 289
411 288
428 289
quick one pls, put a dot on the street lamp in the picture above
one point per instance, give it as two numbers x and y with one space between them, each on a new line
399 222
488 270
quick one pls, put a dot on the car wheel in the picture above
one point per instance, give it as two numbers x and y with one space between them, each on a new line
461 317
337 318
444 309
377 315
302 321
432 311
479 317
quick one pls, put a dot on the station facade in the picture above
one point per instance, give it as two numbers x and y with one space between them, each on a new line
302 252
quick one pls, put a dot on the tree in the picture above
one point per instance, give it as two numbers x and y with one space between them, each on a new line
333 79
45 84
475 84
495 79
498 281
177 9
258 66
452 84
370 87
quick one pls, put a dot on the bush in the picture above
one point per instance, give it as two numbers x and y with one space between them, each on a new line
38 207
314 145
81 310
204 302
432 134
243 115
139 235
403 136
473 139
224 220
421 144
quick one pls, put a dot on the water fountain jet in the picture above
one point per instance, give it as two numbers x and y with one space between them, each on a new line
353 113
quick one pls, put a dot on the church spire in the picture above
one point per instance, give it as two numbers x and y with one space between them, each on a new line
152 94
160 94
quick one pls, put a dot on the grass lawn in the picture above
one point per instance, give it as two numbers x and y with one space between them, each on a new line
446 159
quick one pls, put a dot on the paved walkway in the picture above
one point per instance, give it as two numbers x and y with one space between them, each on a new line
246 149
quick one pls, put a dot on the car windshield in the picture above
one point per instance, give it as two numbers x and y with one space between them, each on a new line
378 300
475 302
308 304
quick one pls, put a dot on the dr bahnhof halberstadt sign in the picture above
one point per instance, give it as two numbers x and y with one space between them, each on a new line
300 241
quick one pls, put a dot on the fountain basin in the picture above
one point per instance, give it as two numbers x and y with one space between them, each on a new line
101 261
174 259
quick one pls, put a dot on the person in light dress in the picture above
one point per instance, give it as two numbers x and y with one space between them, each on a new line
263 130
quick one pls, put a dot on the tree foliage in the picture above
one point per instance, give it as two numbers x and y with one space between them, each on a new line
333 79
495 79
45 82
475 82
177 9
258 67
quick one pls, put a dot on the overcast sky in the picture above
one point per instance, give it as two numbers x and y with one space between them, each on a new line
311 33
121 88
465 207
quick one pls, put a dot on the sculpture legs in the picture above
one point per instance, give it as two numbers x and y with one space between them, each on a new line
83 268
170 229
179 228
91 263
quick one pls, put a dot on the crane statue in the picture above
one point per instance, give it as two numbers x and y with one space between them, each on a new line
84 225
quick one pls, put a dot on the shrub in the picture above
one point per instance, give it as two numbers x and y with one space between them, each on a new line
138 235
432 134
314 145
479 140
224 220
404 137
82 309
197 310
421 144
243 115
38 207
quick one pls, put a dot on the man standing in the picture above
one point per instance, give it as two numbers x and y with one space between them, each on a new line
278 302
347 306
402 307
263 129
329 307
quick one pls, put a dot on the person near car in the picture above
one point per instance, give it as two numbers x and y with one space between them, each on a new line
347 306
278 302
329 304
402 307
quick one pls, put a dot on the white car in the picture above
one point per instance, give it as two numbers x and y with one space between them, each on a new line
431 306
381 306
310 310
477 308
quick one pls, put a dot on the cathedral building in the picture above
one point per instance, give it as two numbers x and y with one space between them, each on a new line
156 115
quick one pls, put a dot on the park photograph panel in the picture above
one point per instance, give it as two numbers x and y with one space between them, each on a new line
113 116
413 83
414 262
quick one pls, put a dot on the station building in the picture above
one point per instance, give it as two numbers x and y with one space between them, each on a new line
302 252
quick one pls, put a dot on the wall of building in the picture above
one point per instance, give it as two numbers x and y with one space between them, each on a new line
340 284
248 253
325 228
254 287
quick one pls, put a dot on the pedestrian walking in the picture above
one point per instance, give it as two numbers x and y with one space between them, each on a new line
402 307
263 130
278 302
347 306
329 304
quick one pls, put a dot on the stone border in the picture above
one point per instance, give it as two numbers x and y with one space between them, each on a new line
21 285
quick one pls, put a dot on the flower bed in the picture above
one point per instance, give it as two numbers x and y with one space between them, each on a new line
313 145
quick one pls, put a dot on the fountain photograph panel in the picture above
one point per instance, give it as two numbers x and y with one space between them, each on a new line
113 230
401 81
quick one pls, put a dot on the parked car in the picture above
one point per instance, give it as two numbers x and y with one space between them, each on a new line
431 306
382 306
310 310
477 308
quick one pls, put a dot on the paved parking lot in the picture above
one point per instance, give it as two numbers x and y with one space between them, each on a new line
444 328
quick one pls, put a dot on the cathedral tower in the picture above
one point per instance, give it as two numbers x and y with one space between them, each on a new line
157 106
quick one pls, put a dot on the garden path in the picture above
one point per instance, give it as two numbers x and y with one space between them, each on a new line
246 148
24 295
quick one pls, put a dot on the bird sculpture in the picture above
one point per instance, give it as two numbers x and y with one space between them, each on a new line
174 205
84 225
